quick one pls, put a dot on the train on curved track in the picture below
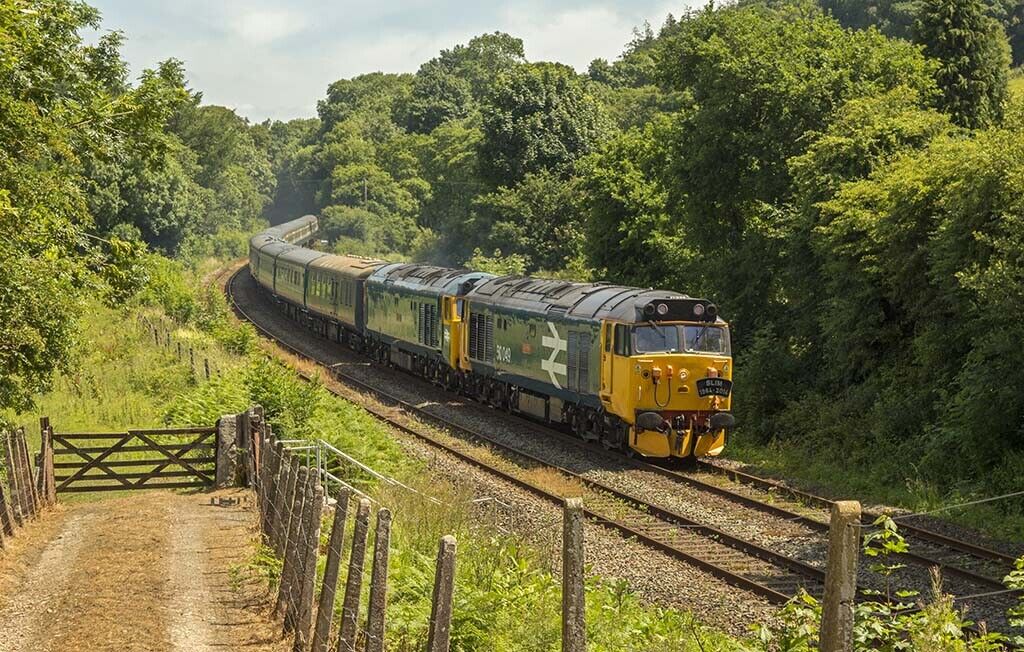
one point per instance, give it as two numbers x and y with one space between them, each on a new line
645 371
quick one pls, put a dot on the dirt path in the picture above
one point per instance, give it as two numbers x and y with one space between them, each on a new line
151 571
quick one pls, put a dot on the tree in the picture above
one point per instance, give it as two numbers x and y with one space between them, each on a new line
539 220
627 225
375 92
760 80
973 55
450 165
438 95
537 117
53 116
894 18
449 86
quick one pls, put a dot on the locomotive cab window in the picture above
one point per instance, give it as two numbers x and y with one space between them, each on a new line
706 339
656 339
679 338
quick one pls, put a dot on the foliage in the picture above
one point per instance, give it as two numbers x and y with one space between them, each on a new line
511 265
537 117
92 169
973 58
1015 580
537 220
884 623
449 86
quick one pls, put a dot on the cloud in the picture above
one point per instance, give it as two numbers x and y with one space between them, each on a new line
277 61
265 26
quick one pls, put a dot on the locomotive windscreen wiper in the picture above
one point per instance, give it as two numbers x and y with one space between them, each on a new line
696 340
664 337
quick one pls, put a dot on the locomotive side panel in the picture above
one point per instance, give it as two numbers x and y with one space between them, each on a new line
400 315
546 356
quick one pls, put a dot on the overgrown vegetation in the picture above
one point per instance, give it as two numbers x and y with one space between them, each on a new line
892 621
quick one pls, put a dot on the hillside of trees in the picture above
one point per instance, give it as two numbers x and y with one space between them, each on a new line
844 178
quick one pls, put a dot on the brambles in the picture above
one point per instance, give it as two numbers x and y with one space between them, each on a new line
892 622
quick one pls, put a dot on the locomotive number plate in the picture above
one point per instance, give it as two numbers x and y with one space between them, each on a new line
714 387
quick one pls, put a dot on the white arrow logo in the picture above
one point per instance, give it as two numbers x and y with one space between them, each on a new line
557 345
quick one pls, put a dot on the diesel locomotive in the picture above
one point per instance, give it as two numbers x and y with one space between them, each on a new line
645 371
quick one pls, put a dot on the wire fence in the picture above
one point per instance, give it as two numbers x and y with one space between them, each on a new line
293 481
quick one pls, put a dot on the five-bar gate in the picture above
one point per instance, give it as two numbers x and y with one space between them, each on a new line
174 458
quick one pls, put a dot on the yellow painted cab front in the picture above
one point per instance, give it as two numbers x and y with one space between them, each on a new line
671 383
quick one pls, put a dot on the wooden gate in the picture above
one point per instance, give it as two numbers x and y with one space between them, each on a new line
137 459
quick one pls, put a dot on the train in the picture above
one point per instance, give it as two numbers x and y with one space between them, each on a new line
645 371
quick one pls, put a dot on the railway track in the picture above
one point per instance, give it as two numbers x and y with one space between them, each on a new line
738 561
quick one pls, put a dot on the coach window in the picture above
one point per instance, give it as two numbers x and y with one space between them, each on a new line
607 338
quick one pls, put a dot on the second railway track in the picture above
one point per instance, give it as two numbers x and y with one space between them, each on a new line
737 560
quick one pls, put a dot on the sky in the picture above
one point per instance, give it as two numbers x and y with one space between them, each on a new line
275 59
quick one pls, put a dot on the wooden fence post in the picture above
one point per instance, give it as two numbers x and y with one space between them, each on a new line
227 451
33 495
439 637
574 628
206 367
354 581
277 500
289 499
6 517
840 577
286 595
310 546
273 470
25 497
254 444
329 588
47 484
179 350
12 477
379 583
192 360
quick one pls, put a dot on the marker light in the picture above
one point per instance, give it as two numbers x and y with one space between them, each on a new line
698 309
662 309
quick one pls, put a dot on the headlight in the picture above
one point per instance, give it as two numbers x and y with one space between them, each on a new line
662 309
683 374
698 309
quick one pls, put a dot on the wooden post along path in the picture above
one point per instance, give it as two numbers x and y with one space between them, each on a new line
354 582
329 587
841 577
439 637
310 545
284 595
574 629
375 620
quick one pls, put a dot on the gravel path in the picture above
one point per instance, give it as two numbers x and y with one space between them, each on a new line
146 572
